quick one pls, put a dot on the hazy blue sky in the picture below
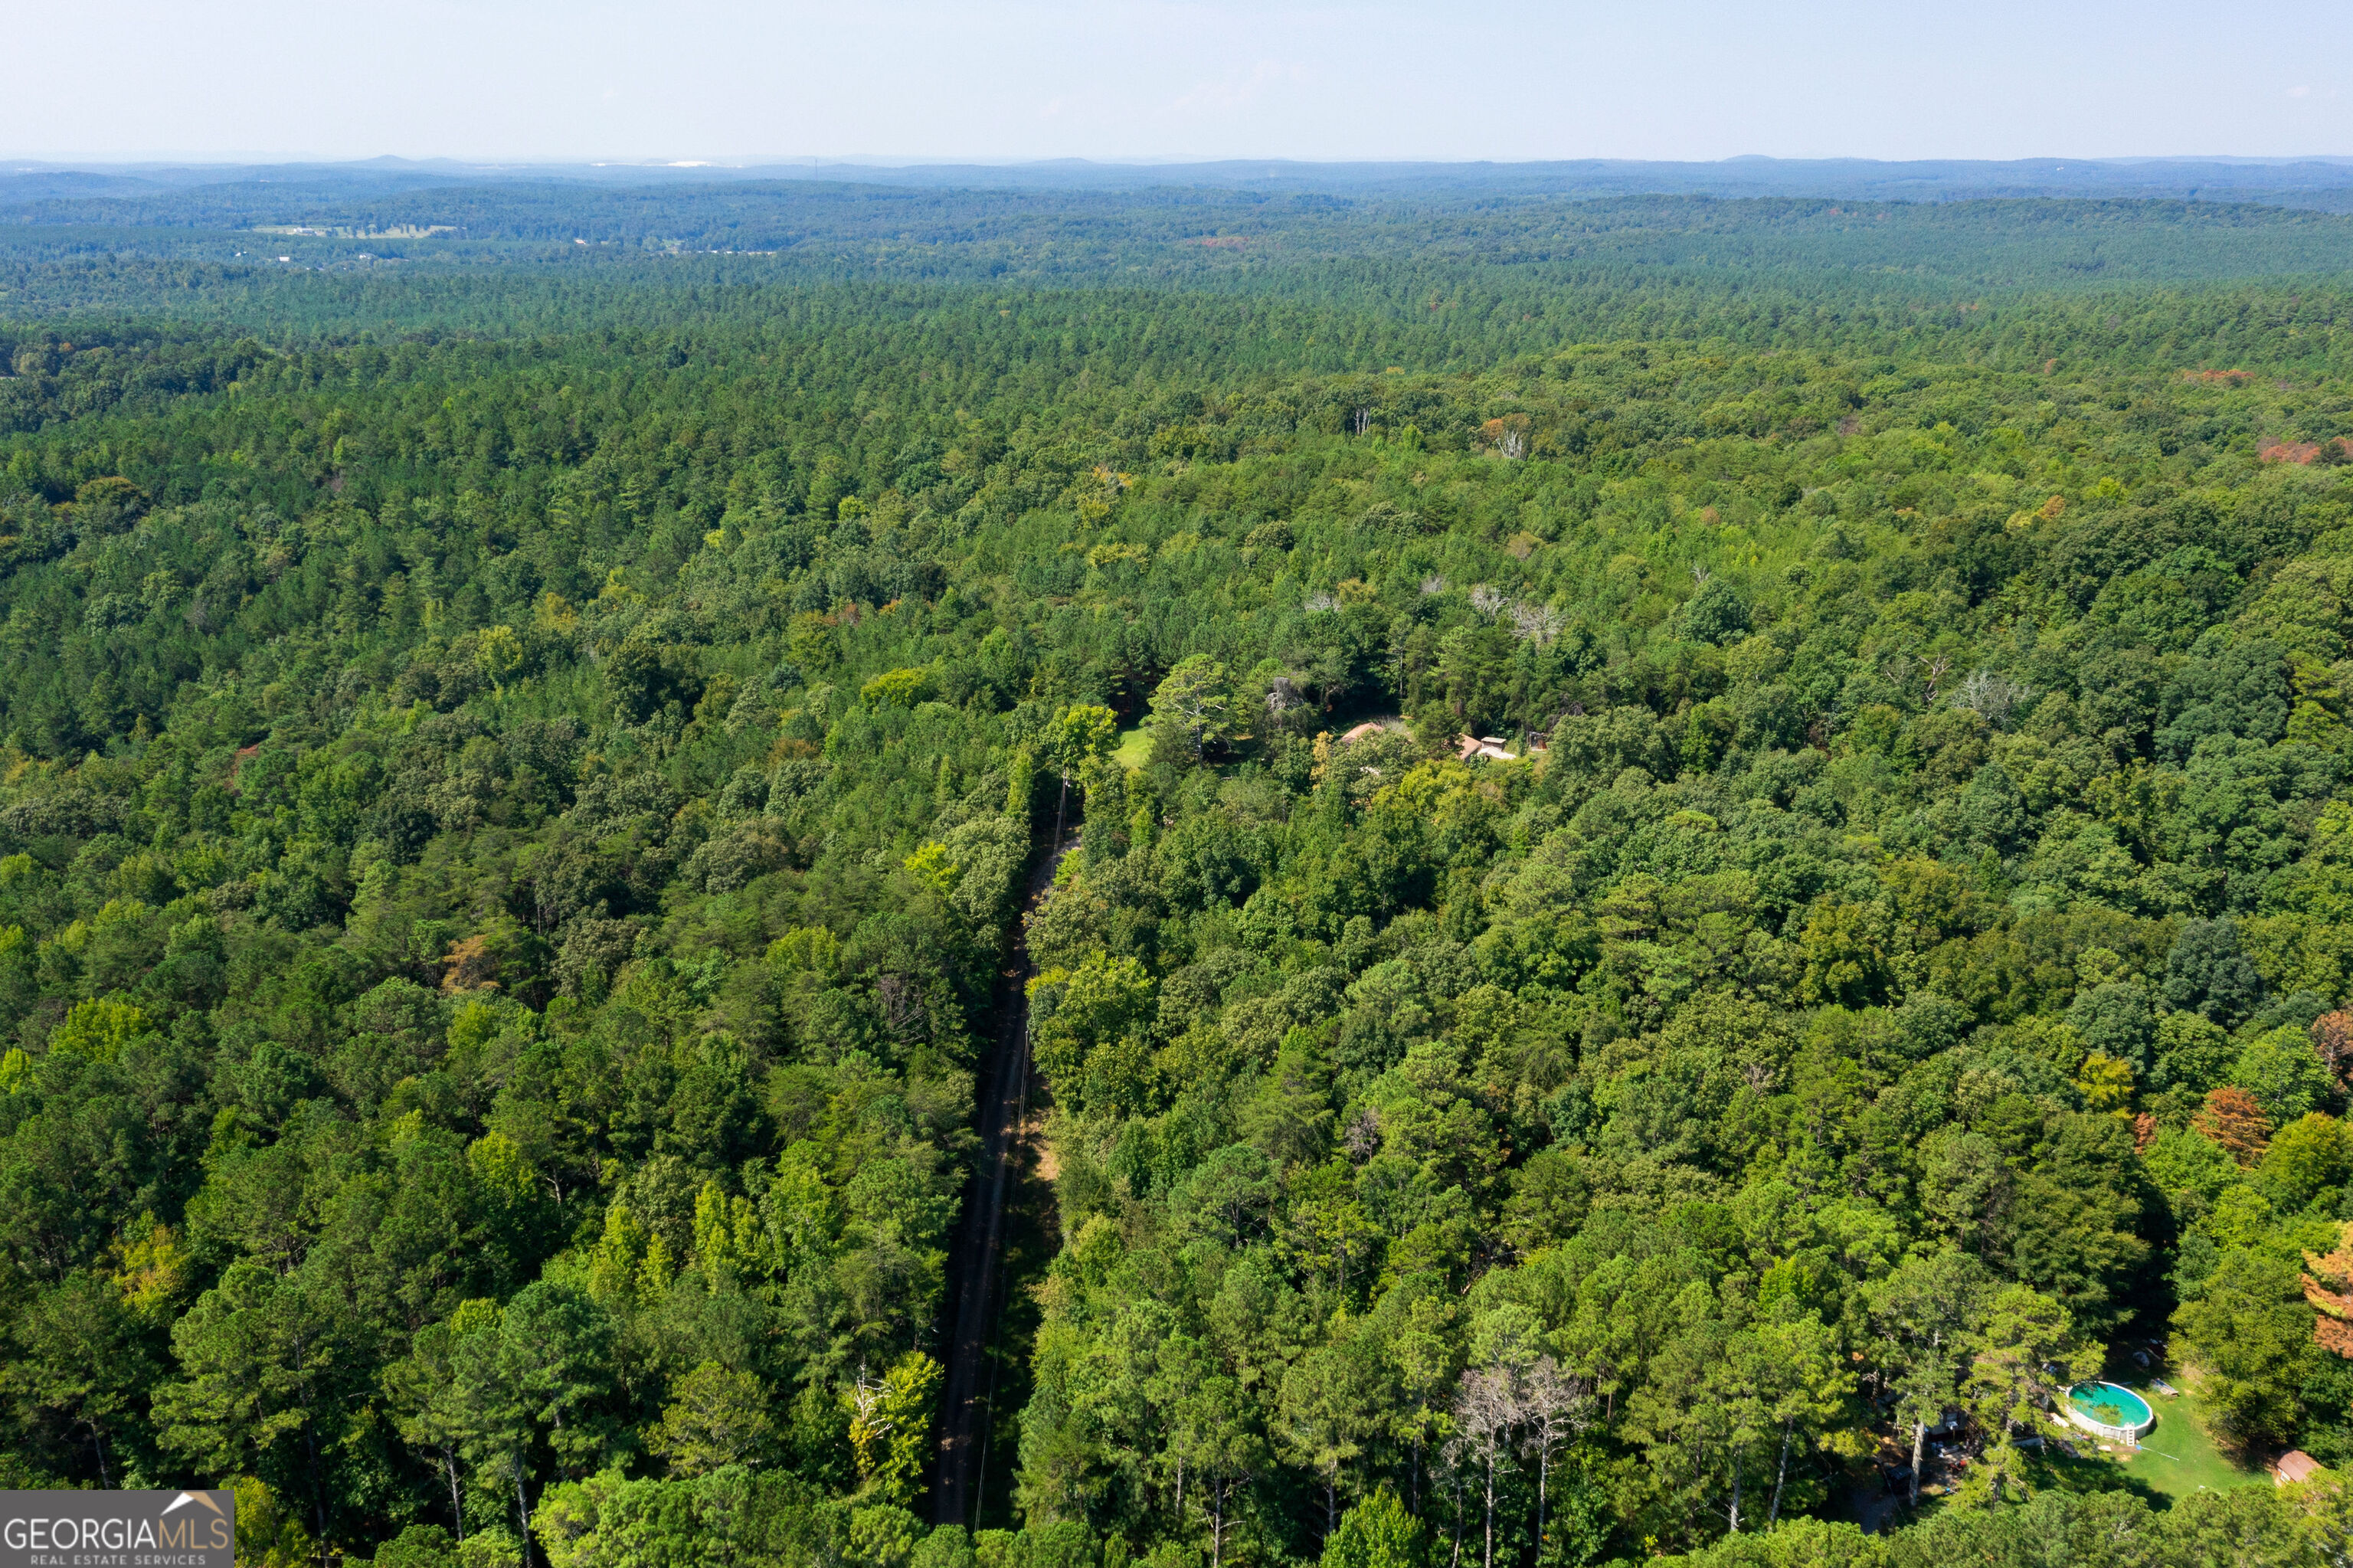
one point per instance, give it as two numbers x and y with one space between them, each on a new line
1126 78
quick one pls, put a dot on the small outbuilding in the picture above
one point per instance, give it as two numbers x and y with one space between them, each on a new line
2294 1466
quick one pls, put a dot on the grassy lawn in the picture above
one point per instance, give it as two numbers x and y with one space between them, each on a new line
2178 1458
1134 748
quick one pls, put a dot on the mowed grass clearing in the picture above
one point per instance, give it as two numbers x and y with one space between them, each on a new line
1134 748
2178 1458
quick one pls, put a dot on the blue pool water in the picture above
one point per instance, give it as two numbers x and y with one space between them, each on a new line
2109 1404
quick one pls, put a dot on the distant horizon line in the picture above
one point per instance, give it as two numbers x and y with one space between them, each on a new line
11 163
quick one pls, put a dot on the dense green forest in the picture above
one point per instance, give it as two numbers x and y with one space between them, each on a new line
543 798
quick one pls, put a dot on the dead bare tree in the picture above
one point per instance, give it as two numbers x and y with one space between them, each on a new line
1936 668
1991 694
1558 1406
1490 1405
1538 622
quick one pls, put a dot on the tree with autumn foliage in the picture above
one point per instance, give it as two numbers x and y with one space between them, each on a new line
2329 1288
2332 1041
2232 1118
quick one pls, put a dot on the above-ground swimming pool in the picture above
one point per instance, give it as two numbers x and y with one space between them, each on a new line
2110 1410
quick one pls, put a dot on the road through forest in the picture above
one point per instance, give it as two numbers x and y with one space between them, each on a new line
976 1265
